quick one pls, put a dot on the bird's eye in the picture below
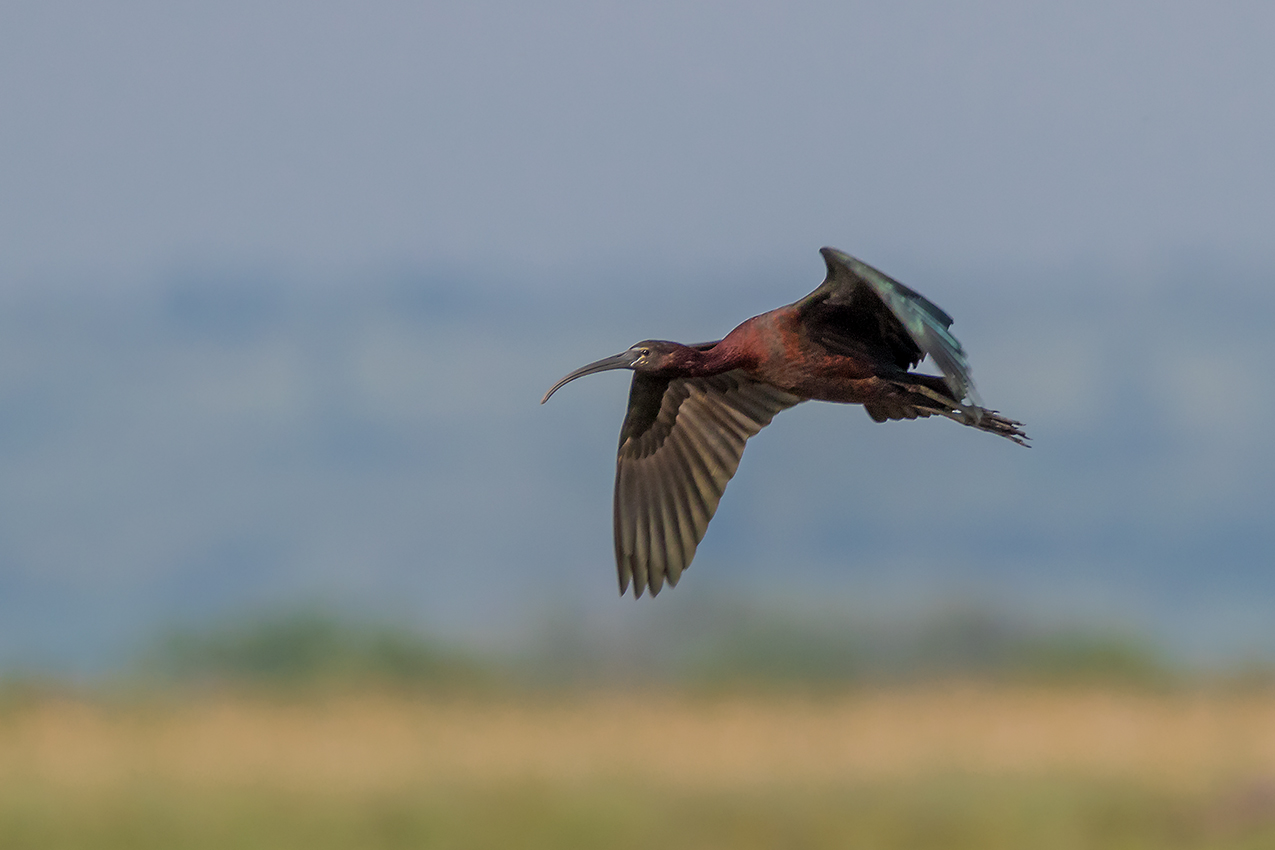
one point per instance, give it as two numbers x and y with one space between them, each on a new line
645 352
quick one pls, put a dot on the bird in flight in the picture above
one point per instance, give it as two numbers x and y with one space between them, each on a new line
692 407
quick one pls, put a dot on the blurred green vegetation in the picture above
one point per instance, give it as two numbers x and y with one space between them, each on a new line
954 813
713 646
952 644
736 644
311 648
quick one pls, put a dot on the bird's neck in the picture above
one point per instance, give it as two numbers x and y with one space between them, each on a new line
723 357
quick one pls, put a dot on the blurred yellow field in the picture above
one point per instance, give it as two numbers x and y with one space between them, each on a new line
984 766
349 743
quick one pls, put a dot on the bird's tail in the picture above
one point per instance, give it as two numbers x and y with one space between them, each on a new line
927 395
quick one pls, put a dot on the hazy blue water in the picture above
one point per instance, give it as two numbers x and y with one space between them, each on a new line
226 442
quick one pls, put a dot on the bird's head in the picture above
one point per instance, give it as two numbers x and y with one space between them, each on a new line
652 355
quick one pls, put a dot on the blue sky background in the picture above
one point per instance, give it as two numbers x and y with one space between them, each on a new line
282 285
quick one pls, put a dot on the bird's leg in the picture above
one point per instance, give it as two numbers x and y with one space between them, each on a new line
976 417
969 415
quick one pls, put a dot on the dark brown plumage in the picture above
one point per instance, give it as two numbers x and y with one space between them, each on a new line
692 408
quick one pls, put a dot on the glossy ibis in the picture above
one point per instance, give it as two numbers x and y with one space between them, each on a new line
692 407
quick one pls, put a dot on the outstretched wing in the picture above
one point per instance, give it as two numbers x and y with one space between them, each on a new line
857 305
681 443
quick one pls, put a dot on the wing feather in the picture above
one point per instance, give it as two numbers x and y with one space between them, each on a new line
657 552
670 515
697 481
876 309
641 552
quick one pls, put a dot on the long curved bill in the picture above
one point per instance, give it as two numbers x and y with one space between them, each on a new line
619 361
